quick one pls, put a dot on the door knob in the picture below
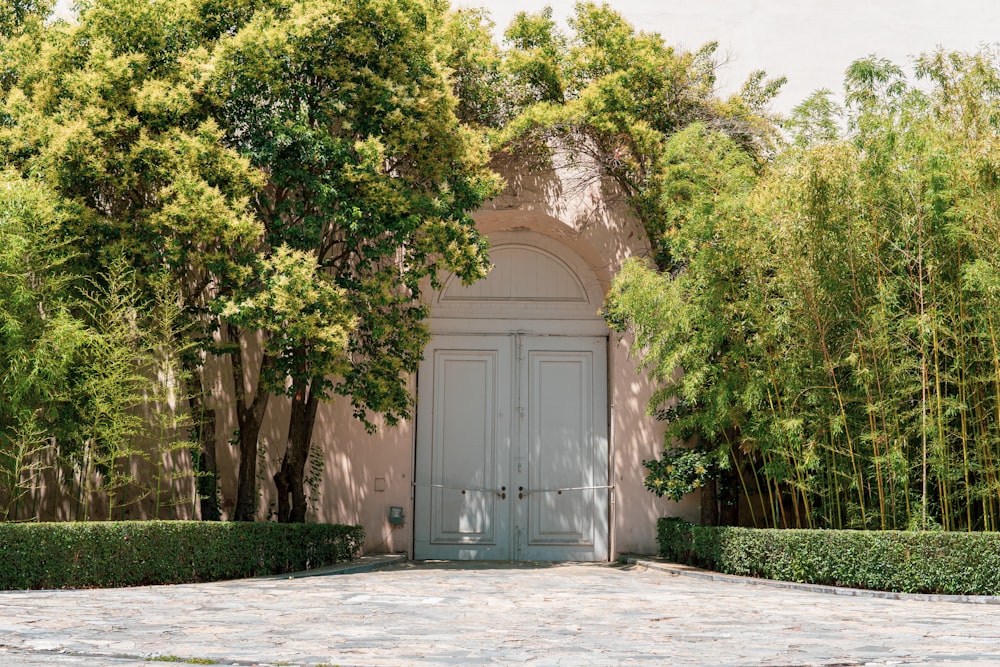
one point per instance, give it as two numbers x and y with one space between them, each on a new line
502 493
521 493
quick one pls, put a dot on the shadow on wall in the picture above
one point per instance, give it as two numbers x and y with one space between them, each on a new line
364 475
638 437
568 199
351 477
155 481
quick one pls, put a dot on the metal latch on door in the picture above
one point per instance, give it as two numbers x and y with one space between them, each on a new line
522 492
501 492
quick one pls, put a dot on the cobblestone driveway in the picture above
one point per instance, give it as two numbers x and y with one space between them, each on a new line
465 614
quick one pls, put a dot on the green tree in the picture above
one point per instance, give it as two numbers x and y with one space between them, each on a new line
475 67
41 338
235 149
108 391
696 315
617 95
835 316
370 178
109 113
17 16
647 117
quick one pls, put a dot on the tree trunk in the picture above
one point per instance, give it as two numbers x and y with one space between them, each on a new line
290 478
729 497
203 429
246 483
248 420
709 503
727 484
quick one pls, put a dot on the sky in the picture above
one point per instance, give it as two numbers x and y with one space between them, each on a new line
809 41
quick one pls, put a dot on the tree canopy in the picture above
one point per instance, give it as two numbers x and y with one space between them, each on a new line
290 171
105 115
834 317
345 109
619 95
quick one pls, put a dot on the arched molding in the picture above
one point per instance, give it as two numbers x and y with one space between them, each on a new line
537 285
521 273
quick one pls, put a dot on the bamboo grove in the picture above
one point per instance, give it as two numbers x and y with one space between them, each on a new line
836 312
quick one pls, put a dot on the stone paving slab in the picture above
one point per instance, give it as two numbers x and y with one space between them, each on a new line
489 613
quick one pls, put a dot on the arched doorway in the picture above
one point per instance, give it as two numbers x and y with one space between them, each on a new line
512 412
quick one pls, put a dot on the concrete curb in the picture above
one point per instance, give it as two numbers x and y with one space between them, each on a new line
677 570
362 564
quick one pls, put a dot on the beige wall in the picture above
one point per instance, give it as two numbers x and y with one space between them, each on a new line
366 474
636 437
362 474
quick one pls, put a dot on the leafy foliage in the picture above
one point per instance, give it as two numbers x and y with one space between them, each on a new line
304 316
370 180
111 388
645 119
108 114
17 15
132 553
834 316
681 471
476 68
79 358
618 95
41 340
287 170
908 562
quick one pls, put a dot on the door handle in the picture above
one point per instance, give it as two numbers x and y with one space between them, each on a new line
521 493
502 493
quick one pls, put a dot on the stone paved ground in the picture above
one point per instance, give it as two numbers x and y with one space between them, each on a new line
479 614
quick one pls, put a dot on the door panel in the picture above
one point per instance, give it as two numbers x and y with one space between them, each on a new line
564 438
512 449
465 394
464 447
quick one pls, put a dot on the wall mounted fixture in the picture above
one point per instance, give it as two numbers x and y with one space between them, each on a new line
396 517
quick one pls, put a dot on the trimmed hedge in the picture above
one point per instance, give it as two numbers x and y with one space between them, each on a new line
139 553
905 562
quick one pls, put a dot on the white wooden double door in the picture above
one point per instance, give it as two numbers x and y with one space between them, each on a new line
512 449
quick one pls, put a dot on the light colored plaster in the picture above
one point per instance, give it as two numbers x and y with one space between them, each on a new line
567 205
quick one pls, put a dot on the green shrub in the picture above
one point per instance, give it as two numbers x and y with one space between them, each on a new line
907 562
137 553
